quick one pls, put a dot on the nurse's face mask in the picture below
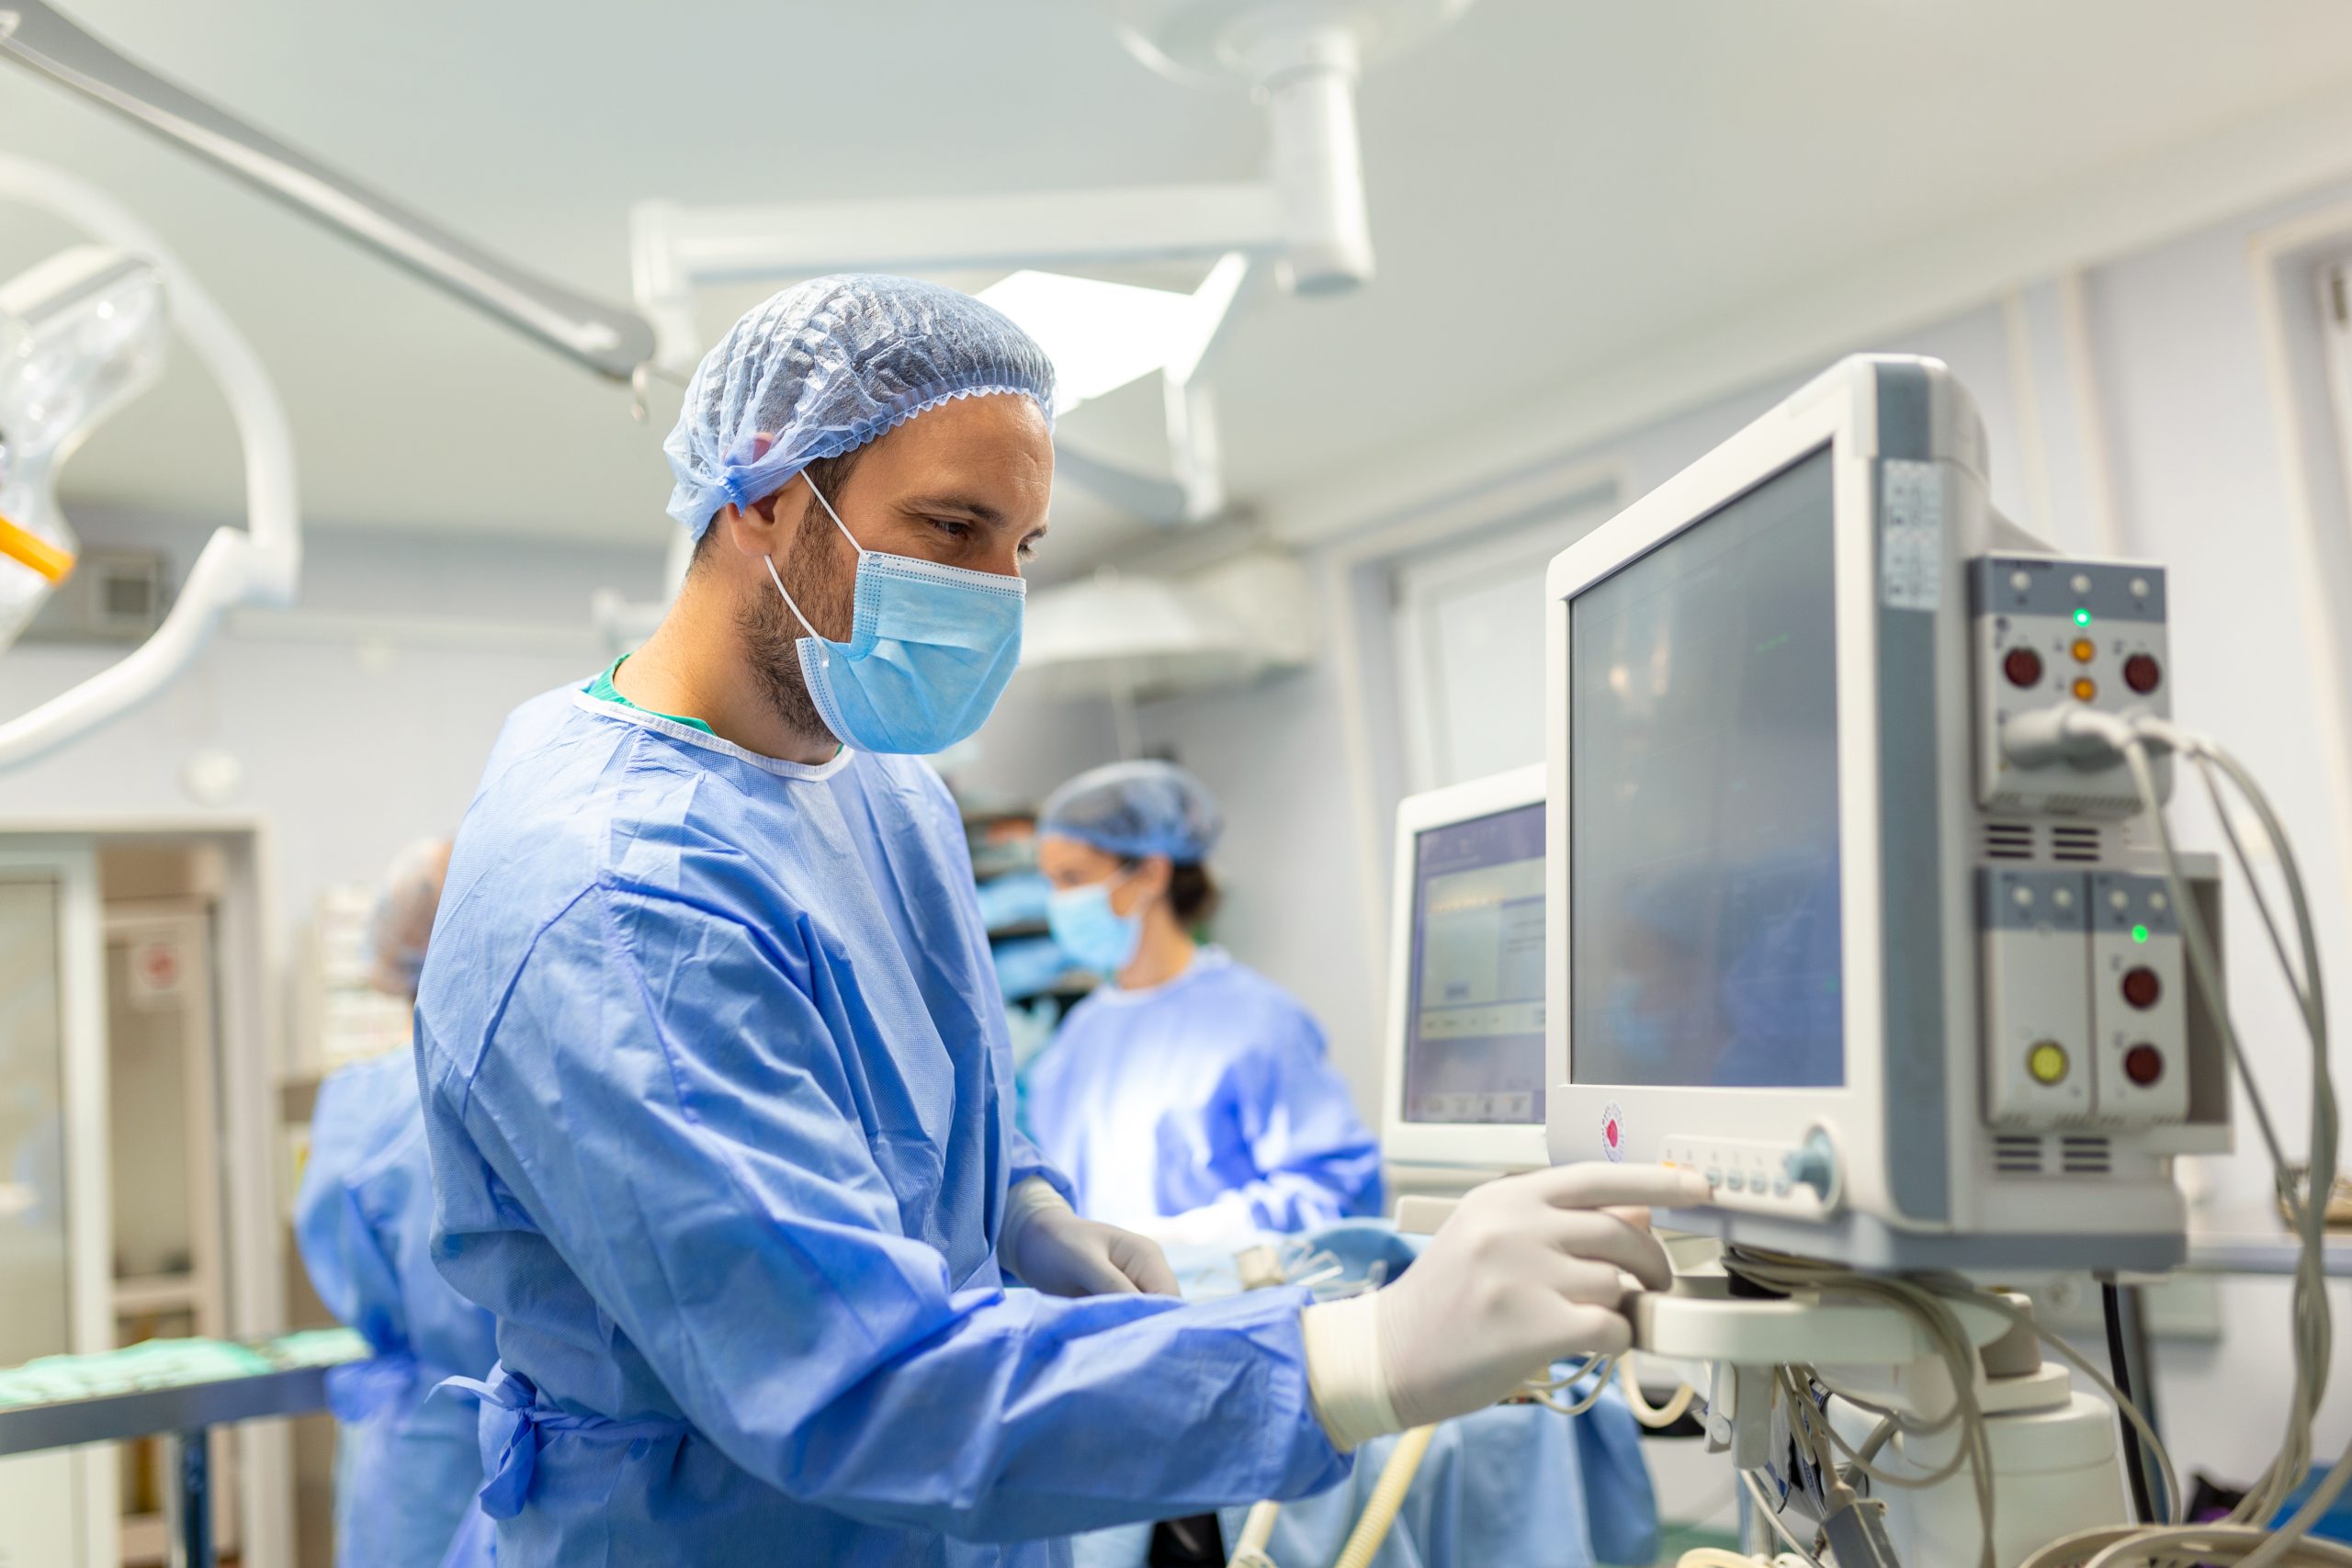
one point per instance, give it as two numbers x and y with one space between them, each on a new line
1086 925
930 649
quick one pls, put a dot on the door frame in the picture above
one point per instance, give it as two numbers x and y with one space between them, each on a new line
84 1089
247 952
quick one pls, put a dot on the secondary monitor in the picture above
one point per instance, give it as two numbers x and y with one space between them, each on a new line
1465 1065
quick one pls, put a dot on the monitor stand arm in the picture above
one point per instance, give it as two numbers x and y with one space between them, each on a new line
2056 1468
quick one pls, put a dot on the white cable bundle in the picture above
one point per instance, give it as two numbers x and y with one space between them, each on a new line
2244 1540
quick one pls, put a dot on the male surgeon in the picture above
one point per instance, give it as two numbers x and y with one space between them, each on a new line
717 1078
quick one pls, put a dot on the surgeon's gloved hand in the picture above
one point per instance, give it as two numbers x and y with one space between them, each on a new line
1050 1249
1526 1271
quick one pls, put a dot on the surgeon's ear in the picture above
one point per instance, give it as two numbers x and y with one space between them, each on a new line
751 530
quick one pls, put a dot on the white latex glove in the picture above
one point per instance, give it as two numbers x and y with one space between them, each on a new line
1052 1249
1526 1271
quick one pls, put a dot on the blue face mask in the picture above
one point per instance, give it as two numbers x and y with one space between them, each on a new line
1085 926
930 649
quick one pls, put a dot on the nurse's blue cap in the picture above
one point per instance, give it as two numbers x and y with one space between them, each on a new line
1135 810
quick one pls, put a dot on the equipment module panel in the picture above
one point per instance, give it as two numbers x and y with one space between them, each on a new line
2048 630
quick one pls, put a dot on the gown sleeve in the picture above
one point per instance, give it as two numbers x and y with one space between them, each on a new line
1318 1162
357 1277
664 1096
1029 1160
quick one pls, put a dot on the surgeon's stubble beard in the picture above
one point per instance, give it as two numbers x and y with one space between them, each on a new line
821 577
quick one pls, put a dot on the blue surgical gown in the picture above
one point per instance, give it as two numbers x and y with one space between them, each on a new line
717 1082
406 1463
1513 1484
1212 1089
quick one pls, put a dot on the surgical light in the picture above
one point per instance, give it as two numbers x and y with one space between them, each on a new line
80 334
1099 335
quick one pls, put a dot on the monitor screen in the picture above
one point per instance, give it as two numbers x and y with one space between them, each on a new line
1703 901
1474 1038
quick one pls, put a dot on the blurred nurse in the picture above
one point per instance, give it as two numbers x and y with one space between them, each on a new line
1190 1098
407 1465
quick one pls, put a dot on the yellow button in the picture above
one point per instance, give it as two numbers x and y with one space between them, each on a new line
2085 689
2047 1062
2084 650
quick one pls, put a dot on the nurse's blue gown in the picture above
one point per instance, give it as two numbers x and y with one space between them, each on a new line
1209 1095
717 1085
406 1462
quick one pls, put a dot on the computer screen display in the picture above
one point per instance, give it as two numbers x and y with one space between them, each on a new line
1474 1038
1703 945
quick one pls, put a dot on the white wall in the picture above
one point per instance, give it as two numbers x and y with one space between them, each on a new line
1028 746
1275 758
2197 474
348 753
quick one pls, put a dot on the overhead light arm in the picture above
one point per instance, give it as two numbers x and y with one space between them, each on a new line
677 249
1190 406
1148 496
609 339
1307 217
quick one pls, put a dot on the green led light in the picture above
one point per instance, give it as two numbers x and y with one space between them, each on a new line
2139 933
2082 617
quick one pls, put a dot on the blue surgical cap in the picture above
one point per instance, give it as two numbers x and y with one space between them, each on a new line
401 921
1134 809
823 367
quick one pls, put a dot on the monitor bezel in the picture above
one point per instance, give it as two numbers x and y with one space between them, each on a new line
1645 1115
1482 1145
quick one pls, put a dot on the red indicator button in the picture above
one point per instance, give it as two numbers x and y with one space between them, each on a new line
2144 1064
2023 667
2143 674
2141 988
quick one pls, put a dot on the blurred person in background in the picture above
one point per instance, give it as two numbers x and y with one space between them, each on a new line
407 1465
1190 1097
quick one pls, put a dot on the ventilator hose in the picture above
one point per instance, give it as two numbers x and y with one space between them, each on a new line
1653 1416
1396 1480
1256 1531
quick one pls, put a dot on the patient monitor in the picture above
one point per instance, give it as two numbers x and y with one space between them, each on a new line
1905 1003
1848 903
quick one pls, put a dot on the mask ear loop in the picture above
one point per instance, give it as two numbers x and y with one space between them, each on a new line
824 648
